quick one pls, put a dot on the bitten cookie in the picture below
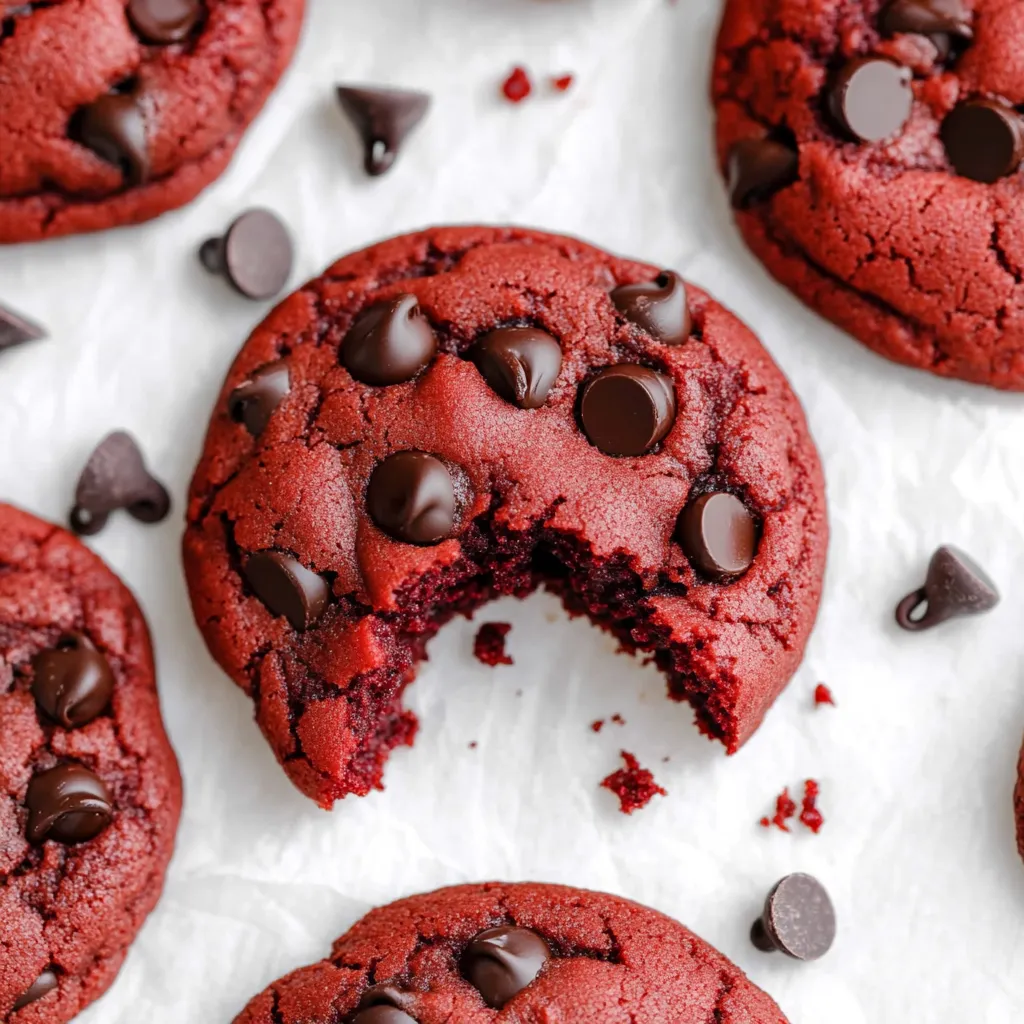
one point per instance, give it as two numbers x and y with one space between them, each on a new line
480 953
873 152
468 412
115 111
89 788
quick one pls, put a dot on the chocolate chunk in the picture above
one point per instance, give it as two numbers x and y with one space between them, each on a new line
940 20
164 21
114 128
116 477
501 962
871 98
758 168
254 402
658 307
519 363
72 683
255 254
627 410
287 587
955 586
389 342
984 139
382 1015
411 497
799 920
16 330
42 986
718 535
384 1004
384 118
68 804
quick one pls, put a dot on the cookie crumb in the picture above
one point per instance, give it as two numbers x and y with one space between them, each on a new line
562 83
823 695
489 644
517 86
634 786
598 725
618 719
785 810
472 744
810 816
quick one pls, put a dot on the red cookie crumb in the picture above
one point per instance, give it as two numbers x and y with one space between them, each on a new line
823 695
598 725
489 645
785 809
517 86
562 82
634 786
809 814
472 745
618 719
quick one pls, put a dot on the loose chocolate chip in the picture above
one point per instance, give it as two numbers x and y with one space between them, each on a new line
955 586
799 920
116 477
389 342
42 986
871 98
718 534
384 1004
164 21
68 804
411 497
658 307
72 683
984 139
501 962
114 128
758 168
254 402
16 330
940 20
384 118
519 363
627 410
255 254
287 587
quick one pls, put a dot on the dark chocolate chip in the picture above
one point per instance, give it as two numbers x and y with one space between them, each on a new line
501 962
984 139
758 168
15 330
382 1015
72 683
411 496
255 254
384 118
871 98
42 986
287 587
389 342
254 402
799 920
718 534
114 128
627 410
955 586
164 21
68 804
940 20
519 363
116 477
384 1004
658 307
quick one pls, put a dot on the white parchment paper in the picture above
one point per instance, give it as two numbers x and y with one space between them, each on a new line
917 761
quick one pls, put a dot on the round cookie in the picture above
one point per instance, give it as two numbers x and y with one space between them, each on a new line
115 111
481 953
90 793
468 412
872 152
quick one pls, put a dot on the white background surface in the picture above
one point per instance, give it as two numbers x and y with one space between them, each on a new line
917 762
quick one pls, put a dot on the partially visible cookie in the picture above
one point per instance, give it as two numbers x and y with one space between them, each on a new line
476 954
89 787
1018 803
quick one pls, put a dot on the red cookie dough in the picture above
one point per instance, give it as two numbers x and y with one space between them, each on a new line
886 239
536 503
194 100
68 913
610 961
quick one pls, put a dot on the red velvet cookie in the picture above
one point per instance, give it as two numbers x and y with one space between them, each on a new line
873 150
89 788
115 111
469 412
1018 803
474 954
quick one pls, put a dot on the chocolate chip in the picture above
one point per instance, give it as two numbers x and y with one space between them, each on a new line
955 586
382 1015
254 402
16 330
658 307
255 254
164 21
68 804
871 98
114 128
287 587
758 168
799 920
389 342
72 683
627 410
984 139
718 534
116 477
384 1004
384 118
411 497
940 20
519 363
42 986
501 962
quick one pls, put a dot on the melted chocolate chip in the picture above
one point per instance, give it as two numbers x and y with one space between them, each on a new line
658 307
384 118
114 128
72 683
871 98
68 804
627 410
718 535
287 587
799 920
254 402
411 497
984 139
255 255
501 962
384 1004
42 986
382 1015
940 20
164 21
15 330
389 342
955 586
519 363
758 168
